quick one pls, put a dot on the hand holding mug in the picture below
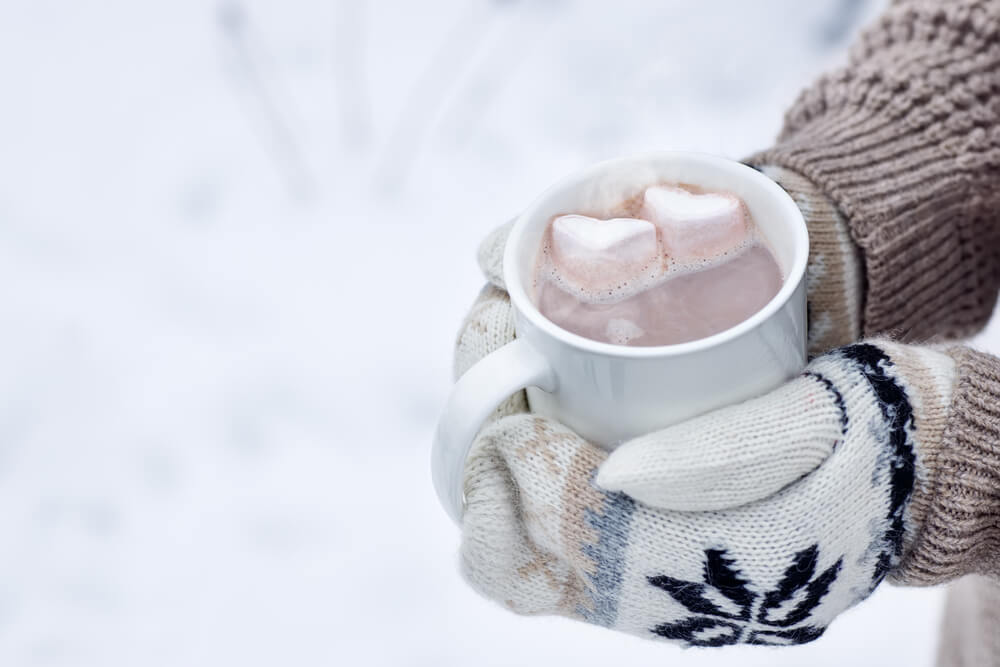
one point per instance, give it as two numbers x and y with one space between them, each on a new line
756 523
608 393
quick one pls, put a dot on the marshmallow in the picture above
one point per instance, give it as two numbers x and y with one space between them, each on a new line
696 227
602 254
621 331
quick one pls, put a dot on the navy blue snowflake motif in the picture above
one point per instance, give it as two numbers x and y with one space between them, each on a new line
726 610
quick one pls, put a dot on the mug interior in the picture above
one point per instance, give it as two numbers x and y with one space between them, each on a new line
607 183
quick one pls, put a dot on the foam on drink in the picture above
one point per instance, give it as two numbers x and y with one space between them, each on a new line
670 264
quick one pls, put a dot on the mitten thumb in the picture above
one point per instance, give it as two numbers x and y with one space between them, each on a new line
490 255
733 456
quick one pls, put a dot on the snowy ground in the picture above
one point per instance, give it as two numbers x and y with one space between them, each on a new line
236 240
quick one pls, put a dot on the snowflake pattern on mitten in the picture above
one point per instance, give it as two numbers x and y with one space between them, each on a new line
542 536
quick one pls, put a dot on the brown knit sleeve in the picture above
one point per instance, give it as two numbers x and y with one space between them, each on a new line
906 141
957 506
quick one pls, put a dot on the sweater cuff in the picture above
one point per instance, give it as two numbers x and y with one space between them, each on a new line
906 142
929 255
957 506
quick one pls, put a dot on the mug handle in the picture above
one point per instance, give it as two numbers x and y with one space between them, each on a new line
477 393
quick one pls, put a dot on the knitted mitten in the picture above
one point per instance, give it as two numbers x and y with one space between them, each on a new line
834 275
903 141
808 490
488 327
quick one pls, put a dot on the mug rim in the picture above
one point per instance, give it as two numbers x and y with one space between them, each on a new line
524 305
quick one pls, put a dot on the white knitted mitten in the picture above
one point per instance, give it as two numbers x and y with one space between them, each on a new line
776 559
802 506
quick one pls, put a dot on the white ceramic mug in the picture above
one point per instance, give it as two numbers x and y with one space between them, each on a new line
609 393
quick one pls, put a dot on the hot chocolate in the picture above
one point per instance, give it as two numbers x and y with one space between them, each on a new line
674 264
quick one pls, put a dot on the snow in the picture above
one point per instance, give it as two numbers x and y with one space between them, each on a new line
236 241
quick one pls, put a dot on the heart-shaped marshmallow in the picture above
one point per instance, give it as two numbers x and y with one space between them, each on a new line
693 226
598 254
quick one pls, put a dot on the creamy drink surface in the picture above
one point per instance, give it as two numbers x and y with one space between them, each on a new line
673 264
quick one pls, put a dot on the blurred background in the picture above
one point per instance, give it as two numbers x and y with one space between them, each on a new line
236 242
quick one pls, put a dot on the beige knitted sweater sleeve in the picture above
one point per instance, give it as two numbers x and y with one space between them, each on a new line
905 140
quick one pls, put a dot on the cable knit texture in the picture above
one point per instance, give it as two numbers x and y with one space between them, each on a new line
906 141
